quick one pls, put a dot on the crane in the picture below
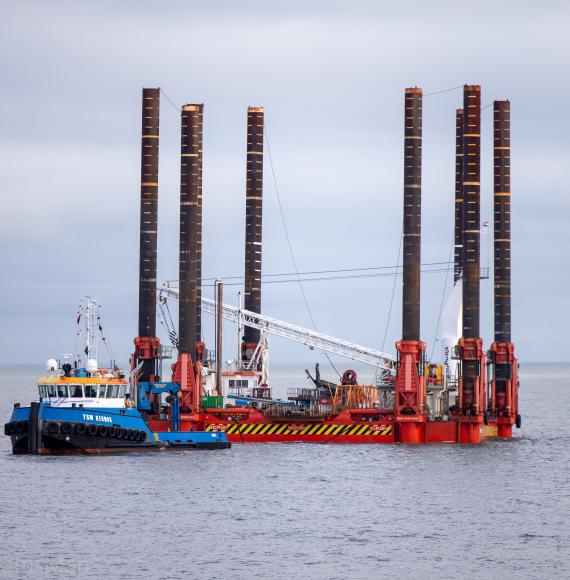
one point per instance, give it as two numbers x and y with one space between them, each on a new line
384 363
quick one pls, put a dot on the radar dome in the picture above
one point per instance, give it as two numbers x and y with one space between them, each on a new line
91 366
51 364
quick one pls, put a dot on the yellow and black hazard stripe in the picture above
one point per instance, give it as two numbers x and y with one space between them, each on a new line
333 429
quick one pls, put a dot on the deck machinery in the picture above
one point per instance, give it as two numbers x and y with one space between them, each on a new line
413 401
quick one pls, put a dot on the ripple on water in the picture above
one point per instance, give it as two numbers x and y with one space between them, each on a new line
497 510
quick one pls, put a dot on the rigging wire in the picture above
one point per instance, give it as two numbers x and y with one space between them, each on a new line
393 293
329 278
103 337
391 305
443 91
453 89
77 334
338 271
290 244
442 301
169 100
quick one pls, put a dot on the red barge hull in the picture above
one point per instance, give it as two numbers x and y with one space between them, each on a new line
309 432
257 428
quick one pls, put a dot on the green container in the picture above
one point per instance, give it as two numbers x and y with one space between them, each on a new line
212 402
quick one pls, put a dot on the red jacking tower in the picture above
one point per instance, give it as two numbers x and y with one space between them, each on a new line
471 384
147 345
410 388
503 393
188 367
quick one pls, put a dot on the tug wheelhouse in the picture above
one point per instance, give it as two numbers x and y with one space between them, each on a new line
92 392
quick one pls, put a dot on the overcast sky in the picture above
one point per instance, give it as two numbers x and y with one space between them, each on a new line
331 76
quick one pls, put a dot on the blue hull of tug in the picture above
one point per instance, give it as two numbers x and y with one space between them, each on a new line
45 430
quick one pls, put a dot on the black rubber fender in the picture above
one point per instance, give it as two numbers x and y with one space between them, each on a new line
486 418
132 434
67 428
20 426
142 435
92 430
80 428
8 429
52 428
113 431
102 430
518 421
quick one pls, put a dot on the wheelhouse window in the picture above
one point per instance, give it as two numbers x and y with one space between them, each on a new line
112 391
122 390
90 391
52 391
62 391
238 383
102 390
43 390
76 391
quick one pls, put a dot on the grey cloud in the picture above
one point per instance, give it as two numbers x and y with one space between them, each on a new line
331 77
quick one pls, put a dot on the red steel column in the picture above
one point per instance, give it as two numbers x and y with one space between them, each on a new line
410 379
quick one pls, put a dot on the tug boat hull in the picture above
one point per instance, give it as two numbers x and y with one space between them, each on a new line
45 430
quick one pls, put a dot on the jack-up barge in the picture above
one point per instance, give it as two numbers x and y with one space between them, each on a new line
412 401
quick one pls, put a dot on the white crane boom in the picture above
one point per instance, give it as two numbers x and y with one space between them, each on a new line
310 338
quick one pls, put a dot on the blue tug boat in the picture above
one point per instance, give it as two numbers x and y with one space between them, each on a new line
87 410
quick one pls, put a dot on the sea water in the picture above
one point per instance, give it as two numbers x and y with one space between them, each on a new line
495 510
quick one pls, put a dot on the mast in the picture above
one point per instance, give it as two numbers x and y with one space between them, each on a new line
90 340
219 334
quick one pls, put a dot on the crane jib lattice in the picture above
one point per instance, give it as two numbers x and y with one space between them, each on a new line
293 332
